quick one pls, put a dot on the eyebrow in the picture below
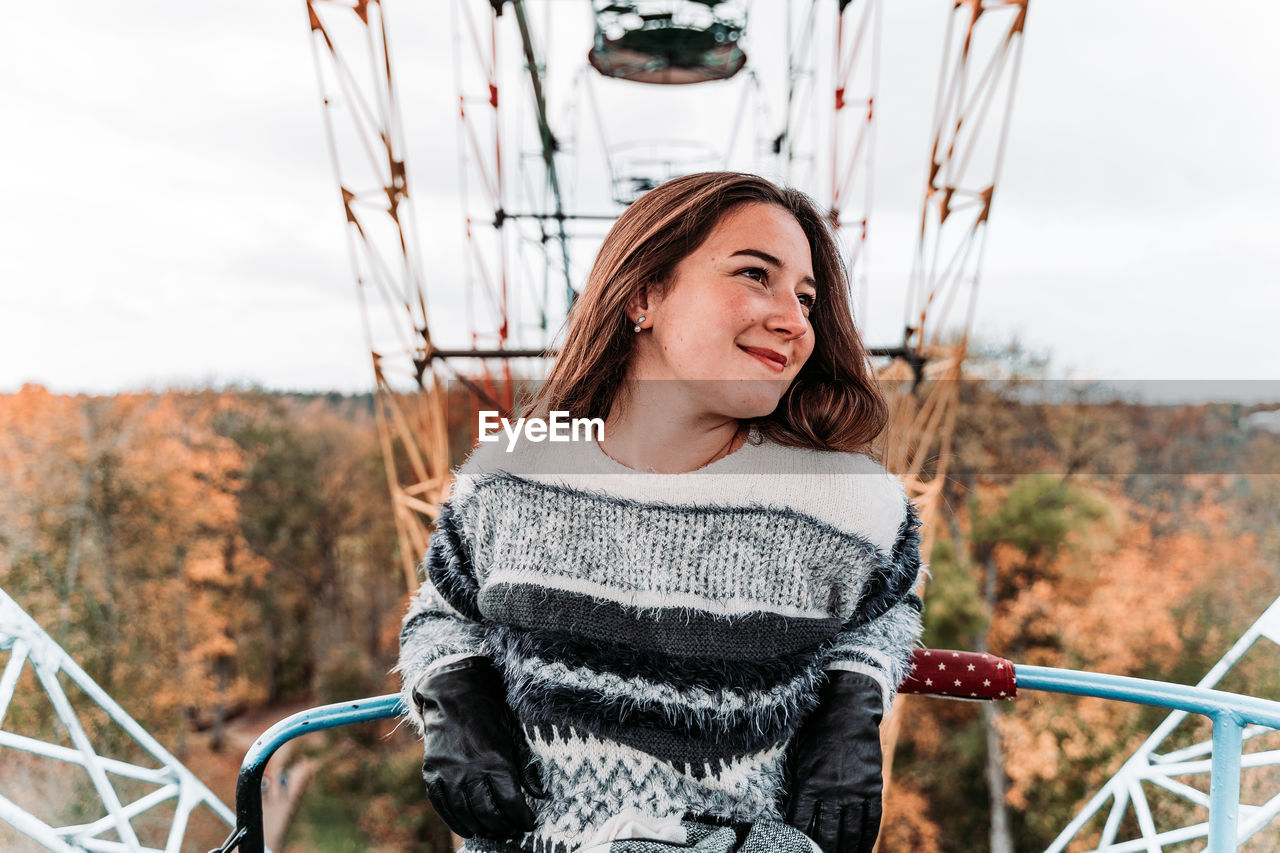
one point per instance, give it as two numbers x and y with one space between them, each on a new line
770 259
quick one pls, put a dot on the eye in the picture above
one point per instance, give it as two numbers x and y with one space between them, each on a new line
764 275
808 300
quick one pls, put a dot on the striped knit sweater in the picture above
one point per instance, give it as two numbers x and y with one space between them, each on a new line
661 636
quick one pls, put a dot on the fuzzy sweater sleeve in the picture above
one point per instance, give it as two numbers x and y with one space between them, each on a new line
443 624
877 640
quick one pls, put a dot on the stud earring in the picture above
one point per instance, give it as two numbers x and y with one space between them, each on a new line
639 320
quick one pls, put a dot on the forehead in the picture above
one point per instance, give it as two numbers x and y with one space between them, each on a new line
763 227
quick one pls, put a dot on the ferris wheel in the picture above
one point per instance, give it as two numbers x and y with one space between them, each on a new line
563 118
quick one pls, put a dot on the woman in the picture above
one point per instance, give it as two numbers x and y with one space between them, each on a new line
689 630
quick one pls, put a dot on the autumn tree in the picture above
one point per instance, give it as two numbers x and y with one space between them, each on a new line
1051 551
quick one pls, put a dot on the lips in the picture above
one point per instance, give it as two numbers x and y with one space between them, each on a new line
777 361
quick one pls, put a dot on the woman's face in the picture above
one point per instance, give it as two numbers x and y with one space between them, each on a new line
734 324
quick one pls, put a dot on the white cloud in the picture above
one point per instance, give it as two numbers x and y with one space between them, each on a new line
171 212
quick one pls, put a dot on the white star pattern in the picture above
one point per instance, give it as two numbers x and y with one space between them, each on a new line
981 665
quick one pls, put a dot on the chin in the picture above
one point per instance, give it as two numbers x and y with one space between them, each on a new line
752 405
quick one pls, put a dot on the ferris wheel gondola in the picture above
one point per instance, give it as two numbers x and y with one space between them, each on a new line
669 44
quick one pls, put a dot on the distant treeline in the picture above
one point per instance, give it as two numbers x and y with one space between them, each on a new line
201 553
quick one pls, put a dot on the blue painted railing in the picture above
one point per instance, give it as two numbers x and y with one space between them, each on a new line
1230 713
247 835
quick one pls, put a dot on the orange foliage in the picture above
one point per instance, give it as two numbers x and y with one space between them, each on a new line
121 532
906 825
1119 605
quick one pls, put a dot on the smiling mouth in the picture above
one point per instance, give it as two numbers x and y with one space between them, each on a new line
771 359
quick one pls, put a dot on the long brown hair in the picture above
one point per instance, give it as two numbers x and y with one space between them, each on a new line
835 401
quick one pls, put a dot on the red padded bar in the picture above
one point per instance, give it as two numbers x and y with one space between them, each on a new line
961 675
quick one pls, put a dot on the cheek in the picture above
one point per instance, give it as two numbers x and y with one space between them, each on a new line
739 312
721 320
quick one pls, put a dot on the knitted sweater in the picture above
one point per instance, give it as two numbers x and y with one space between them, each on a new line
661 636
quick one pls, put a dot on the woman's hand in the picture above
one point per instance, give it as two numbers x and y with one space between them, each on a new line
477 760
834 766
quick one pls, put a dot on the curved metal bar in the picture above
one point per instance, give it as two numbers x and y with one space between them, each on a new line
1197 700
247 836
1229 712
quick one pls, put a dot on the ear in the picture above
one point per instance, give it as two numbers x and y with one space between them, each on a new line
638 303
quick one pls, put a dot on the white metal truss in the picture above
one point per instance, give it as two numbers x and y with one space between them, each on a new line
1170 773
29 646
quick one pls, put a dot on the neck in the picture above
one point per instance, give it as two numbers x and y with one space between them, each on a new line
655 429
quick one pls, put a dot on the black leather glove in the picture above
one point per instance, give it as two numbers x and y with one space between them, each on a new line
477 760
834 766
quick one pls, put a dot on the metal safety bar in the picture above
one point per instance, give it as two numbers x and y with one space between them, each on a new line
247 835
1230 713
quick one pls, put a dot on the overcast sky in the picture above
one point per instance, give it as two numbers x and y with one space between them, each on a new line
171 216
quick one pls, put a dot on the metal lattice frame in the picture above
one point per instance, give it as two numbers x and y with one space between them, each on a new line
482 181
826 142
30 647
981 56
503 218
1169 772
970 127
516 184
366 141
800 134
857 71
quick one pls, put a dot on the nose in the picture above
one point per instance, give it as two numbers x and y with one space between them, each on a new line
788 317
